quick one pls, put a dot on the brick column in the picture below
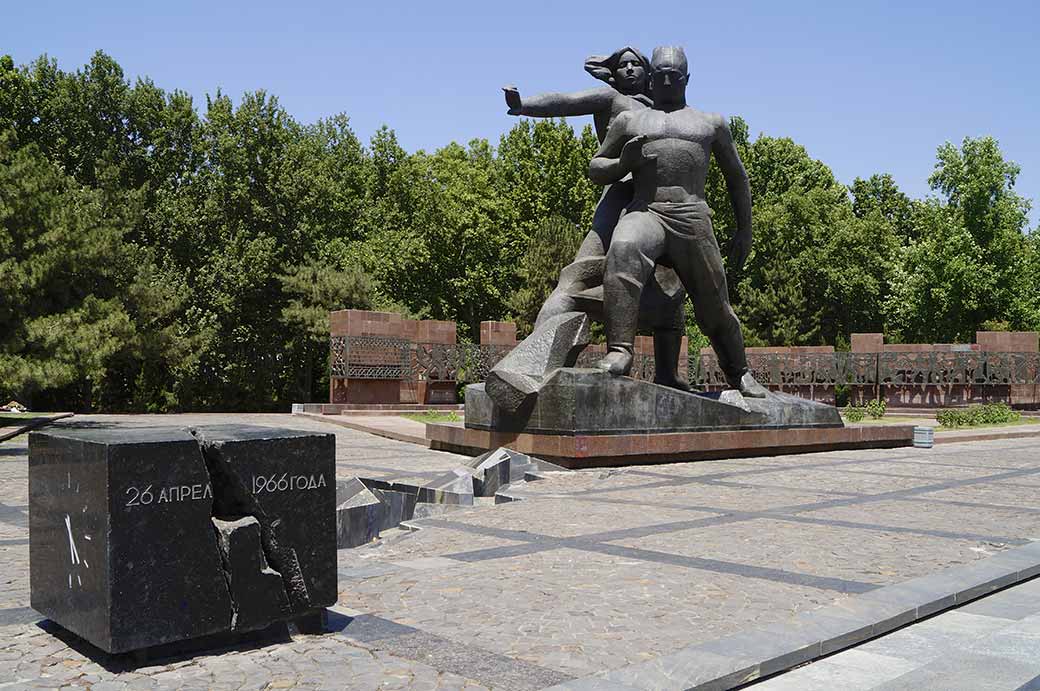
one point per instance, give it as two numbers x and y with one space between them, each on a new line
1019 395
366 323
497 333
868 343
436 391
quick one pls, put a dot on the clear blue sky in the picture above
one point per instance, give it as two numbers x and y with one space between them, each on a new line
865 87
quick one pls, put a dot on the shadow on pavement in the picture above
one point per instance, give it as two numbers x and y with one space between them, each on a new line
171 653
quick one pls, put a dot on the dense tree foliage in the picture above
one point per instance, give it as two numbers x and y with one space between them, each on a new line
158 255
551 247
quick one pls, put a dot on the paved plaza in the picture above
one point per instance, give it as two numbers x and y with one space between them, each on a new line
595 573
989 645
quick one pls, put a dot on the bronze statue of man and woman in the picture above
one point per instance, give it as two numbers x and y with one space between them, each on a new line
652 227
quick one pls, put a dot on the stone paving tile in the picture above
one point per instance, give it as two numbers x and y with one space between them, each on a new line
405 547
920 468
856 555
845 478
1028 482
722 498
972 647
994 453
577 612
851 671
1013 604
597 481
14 577
564 517
1018 641
989 493
1000 524
933 638
963 672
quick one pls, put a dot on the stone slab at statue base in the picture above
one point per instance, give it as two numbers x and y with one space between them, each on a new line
612 450
583 418
588 401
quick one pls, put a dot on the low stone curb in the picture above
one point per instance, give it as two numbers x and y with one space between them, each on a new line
373 408
379 431
31 424
958 437
757 653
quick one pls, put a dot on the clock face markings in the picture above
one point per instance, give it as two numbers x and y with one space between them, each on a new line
73 552
75 577
72 542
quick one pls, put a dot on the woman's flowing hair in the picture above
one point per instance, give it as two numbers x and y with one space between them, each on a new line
602 67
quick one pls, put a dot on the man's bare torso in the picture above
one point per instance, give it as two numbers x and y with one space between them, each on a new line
682 140
619 103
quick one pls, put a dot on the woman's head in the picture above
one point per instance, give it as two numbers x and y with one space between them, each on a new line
626 69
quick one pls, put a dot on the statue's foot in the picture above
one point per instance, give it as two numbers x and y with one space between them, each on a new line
751 388
675 383
618 362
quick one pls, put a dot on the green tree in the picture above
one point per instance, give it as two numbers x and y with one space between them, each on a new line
444 257
552 247
543 172
61 319
313 290
880 194
940 284
970 262
818 273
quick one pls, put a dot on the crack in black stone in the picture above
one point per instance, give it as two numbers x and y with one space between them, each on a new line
233 501
225 571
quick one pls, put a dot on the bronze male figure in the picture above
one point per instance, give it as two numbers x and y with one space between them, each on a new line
667 149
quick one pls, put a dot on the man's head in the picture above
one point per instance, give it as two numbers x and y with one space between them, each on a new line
626 69
668 76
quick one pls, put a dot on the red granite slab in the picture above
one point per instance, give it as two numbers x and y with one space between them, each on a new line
595 451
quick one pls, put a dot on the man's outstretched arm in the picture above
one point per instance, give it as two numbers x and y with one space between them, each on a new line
552 105
739 188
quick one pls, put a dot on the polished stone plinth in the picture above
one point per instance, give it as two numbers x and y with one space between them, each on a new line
147 536
577 451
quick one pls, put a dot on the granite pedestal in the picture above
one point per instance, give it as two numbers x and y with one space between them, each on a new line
589 401
144 537
583 418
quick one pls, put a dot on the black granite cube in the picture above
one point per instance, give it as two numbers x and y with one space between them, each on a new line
122 551
145 536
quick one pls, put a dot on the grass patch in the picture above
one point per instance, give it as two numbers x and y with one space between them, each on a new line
1015 423
939 429
434 416
19 419
923 421
978 415
20 416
